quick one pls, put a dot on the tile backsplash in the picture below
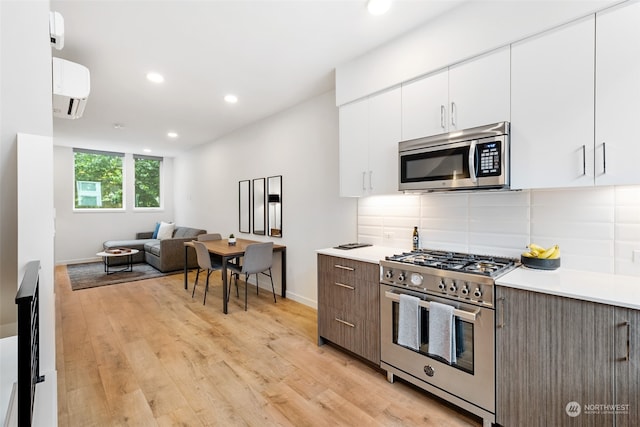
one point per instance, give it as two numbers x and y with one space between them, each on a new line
598 229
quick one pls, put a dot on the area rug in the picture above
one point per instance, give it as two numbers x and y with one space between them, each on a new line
91 275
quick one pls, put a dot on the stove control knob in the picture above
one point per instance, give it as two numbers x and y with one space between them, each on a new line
401 277
416 279
477 293
389 274
453 287
441 285
465 290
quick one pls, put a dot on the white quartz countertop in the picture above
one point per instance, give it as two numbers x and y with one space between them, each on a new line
612 289
371 254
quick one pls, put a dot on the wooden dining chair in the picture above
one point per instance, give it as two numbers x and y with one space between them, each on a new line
205 262
258 258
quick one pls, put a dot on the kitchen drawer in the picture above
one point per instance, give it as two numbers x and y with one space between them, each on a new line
342 295
350 331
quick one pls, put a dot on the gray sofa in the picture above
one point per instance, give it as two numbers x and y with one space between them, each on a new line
165 255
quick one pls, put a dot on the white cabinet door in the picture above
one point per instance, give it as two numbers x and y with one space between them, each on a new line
424 106
552 108
479 91
617 95
384 135
354 148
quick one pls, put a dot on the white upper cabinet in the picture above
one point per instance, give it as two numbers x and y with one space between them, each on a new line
552 108
617 148
424 106
354 147
369 136
469 94
479 91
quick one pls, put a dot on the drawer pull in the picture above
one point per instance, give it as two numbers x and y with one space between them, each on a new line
344 322
342 267
342 285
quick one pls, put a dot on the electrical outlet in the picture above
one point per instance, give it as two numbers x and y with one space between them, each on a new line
388 235
636 255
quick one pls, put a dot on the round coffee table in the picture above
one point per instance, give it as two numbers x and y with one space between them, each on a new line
117 253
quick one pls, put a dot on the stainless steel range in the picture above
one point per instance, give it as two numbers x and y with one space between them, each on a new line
465 282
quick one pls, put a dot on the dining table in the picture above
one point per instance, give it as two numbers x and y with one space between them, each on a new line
227 252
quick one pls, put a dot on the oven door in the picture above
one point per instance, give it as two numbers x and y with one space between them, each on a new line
472 377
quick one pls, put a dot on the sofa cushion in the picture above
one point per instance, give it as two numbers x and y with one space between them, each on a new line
153 247
182 232
155 231
166 230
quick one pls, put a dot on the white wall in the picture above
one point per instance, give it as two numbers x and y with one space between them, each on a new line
25 106
471 29
301 144
597 228
79 235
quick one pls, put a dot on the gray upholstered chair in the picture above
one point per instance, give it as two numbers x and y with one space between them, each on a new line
258 258
206 238
205 262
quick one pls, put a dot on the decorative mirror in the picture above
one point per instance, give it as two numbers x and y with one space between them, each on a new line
274 202
244 206
258 206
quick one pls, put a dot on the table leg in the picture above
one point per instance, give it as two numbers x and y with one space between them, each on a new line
224 284
283 255
186 270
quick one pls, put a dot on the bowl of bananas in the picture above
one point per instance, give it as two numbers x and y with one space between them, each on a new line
541 258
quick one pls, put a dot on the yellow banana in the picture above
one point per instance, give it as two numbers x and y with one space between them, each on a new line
556 253
536 248
547 253
528 255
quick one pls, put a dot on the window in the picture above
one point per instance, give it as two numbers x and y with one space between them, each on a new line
147 186
98 179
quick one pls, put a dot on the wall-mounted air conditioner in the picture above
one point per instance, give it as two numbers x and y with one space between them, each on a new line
56 30
71 87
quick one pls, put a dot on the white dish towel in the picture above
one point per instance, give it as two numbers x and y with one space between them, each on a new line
408 322
442 331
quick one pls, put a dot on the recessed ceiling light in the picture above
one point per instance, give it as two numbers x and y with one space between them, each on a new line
378 7
155 77
172 134
147 150
118 126
231 99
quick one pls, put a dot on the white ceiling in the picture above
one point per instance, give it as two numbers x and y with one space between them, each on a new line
272 54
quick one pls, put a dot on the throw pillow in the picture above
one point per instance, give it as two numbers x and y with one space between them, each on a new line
155 231
166 230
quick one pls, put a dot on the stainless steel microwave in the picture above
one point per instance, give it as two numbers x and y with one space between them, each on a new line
476 158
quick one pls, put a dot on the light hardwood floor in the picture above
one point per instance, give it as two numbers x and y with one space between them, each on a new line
146 353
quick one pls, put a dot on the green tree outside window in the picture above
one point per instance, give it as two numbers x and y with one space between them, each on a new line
147 186
98 179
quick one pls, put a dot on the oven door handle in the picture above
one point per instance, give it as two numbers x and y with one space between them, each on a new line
462 314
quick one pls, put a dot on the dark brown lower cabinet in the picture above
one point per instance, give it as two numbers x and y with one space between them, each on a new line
561 362
627 366
349 305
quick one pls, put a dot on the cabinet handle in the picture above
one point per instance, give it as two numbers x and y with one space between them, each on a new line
342 285
453 114
501 302
442 118
584 160
344 322
604 158
364 188
370 180
628 356
344 267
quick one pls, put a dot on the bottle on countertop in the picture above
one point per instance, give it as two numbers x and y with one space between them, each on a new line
416 238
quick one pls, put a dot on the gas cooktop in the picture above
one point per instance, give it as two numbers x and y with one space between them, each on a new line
485 265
